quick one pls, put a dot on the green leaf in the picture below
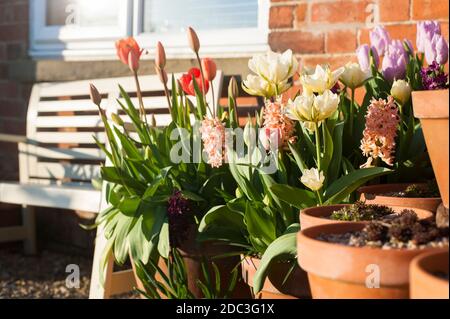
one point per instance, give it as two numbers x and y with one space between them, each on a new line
347 184
164 242
297 197
222 216
284 247
260 225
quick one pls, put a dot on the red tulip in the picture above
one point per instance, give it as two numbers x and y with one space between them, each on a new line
125 46
133 61
187 82
209 69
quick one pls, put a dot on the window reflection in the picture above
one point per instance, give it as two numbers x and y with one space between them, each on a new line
175 15
82 13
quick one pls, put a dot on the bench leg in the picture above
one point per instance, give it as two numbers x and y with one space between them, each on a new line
29 224
97 290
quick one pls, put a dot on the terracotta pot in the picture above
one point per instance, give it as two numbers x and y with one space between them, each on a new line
340 271
424 283
295 287
375 194
193 259
315 216
432 108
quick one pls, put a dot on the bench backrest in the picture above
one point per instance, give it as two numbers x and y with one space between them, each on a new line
62 120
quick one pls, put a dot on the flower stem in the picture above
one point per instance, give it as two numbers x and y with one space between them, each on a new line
352 105
319 197
203 82
139 95
316 130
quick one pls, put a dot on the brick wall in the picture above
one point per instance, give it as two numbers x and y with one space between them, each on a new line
329 31
13 95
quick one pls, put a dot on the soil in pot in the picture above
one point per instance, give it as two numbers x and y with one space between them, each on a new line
366 260
277 285
359 211
423 196
429 276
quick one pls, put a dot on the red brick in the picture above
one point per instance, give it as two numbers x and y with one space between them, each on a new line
429 9
397 10
339 11
298 41
444 30
339 41
335 61
281 17
300 12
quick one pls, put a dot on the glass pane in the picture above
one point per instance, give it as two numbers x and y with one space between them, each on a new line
176 15
82 13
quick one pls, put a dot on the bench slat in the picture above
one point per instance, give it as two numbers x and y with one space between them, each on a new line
76 198
69 137
68 105
69 154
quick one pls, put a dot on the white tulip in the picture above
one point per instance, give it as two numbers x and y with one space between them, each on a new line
275 68
401 91
325 105
311 108
353 76
321 80
255 85
313 179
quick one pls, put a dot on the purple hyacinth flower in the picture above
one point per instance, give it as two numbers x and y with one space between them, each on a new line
434 77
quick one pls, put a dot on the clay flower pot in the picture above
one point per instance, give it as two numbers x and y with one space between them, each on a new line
340 271
425 284
375 194
295 287
315 216
432 108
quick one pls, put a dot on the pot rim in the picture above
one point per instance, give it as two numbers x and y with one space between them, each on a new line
331 208
417 266
434 108
372 189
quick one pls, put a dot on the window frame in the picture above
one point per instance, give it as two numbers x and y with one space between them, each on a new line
97 43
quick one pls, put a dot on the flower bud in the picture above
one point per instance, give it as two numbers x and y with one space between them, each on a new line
160 58
194 42
249 134
233 89
96 98
401 91
116 119
209 69
353 76
224 116
153 120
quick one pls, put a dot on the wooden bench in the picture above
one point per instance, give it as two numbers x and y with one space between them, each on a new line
58 158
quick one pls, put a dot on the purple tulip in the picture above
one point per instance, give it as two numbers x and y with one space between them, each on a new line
380 39
363 53
436 50
397 45
394 65
425 33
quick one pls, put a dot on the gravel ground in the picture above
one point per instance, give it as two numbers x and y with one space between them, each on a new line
43 276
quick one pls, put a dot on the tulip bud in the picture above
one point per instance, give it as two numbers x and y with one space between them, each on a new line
401 91
116 119
194 42
209 69
162 75
96 98
133 61
233 90
224 116
249 135
160 59
153 120
313 179
147 153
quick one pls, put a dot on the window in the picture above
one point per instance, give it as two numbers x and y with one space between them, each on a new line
77 29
